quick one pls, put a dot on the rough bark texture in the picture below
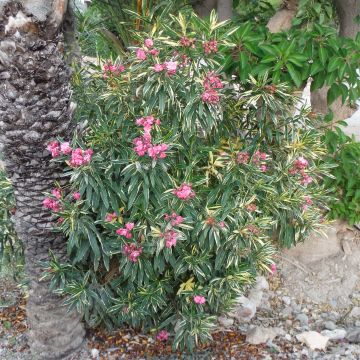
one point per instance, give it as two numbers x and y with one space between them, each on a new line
225 9
35 108
347 11
203 7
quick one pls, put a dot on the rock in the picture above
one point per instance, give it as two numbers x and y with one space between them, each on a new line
286 312
303 318
288 323
353 336
259 334
286 300
225 321
261 283
355 312
313 340
287 337
245 309
337 334
329 325
95 353
318 246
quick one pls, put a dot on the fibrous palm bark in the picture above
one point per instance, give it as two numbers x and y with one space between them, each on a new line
35 108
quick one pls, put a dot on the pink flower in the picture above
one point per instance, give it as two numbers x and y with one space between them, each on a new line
157 151
170 238
222 224
263 168
174 219
60 220
110 69
259 156
141 145
212 81
292 171
198 299
170 67
51 204
306 180
163 335
154 52
129 226
242 157
54 148
210 97
132 252
251 207
57 193
148 43
76 196
158 67
184 192
301 163
186 42
65 148
253 229
111 217
273 268
80 157
210 47
141 54
126 231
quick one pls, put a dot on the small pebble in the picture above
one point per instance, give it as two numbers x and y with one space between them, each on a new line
303 318
330 325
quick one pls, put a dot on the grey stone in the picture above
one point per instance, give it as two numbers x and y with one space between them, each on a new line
329 325
259 334
337 334
225 321
303 319
353 335
286 300
355 312
286 312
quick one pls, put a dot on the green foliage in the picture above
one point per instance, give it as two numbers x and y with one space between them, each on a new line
312 12
257 11
11 250
345 154
238 154
294 56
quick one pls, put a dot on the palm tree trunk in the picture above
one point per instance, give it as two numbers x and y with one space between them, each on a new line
35 108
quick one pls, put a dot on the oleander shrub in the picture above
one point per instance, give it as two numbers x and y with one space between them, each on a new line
11 249
182 184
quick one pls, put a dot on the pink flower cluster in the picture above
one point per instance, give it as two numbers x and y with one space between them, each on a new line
141 54
210 47
212 222
251 207
187 42
143 145
253 229
163 335
80 157
169 66
132 252
198 299
170 238
211 83
300 164
76 196
51 204
174 219
111 217
110 69
242 157
126 231
273 269
184 192
58 149
56 193
308 202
